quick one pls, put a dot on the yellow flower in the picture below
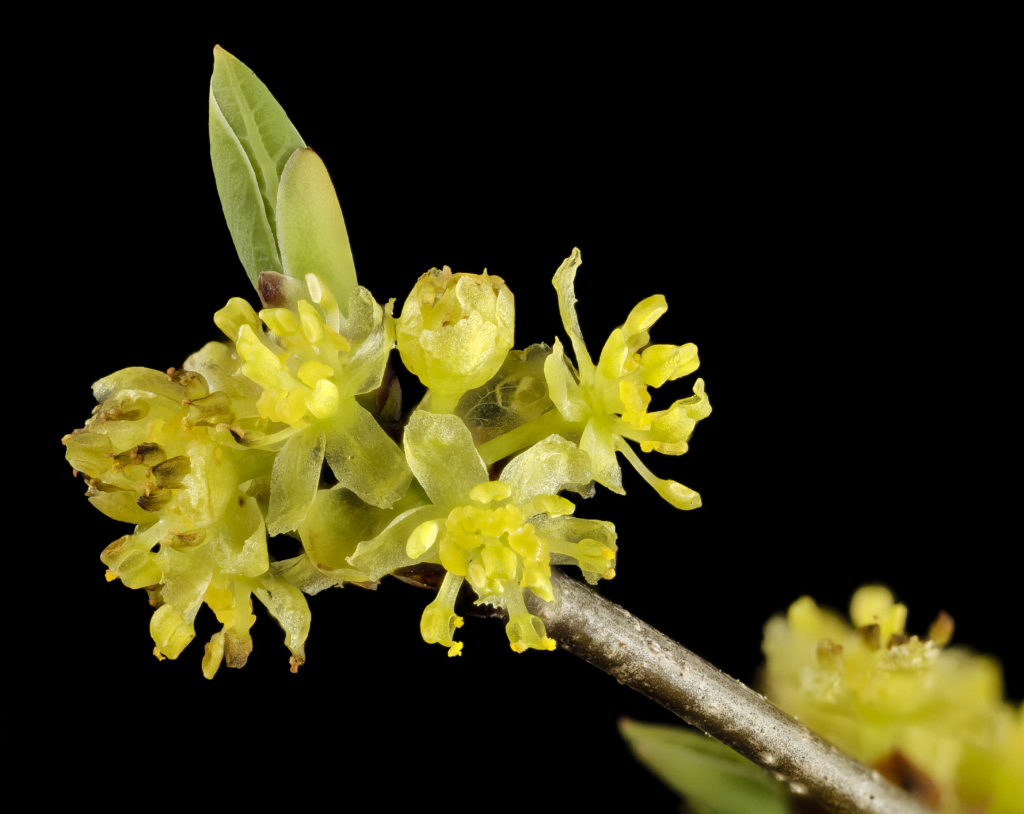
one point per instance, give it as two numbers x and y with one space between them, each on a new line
608 402
162 451
501 537
925 715
312 363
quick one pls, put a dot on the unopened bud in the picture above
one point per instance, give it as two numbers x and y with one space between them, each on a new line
455 330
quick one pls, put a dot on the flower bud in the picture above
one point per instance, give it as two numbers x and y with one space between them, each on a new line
455 330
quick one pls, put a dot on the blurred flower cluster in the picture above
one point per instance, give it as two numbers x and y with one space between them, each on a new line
294 426
929 717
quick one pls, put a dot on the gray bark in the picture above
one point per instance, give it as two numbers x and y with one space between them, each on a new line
643 658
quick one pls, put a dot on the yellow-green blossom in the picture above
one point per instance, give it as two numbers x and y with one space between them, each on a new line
928 716
455 331
311 364
607 403
162 451
501 537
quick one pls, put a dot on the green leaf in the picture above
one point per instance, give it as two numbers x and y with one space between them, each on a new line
310 227
709 774
251 140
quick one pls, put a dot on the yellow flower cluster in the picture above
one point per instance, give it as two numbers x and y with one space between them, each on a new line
162 451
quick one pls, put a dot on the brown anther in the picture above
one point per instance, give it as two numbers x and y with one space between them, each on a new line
872 635
190 538
941 630
155 500
896 639
828 651
96 485
236 649
236 432
114 546
422 575
169 473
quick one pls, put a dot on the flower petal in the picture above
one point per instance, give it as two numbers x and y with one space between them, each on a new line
563 389
598 442
564 282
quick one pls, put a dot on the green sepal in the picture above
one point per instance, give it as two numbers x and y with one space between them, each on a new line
364 458
711 776
300 572
440 452
337 522
579 541
138 382
563 389
598 442
310 227
515 395
548 467
243 540
120 504
387 551
289 607
251 140
185 577
370 328
294 480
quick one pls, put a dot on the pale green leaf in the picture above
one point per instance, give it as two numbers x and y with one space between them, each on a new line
310 228
708 774
251 140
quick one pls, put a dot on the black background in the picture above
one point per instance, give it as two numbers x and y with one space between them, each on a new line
821 220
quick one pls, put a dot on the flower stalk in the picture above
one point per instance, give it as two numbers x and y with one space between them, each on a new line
646 660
